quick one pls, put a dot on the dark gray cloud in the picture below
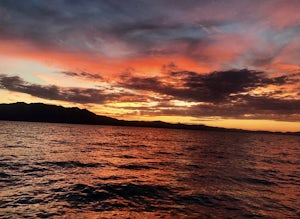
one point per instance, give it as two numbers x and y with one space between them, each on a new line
216 87
247 107
95 26
222 94
82 75
62 18
283 79
135 28
53 92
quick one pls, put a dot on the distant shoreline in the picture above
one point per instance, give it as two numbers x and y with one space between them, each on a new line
39 112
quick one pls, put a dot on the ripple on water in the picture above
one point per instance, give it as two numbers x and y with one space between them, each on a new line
69 164
136 194
136 167
256 181
117 171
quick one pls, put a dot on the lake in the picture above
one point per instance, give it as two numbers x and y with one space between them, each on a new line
82 171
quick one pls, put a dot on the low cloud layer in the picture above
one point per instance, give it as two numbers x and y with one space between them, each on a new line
218 86
225 94
53 92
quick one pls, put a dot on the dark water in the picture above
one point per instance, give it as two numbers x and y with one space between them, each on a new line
81 171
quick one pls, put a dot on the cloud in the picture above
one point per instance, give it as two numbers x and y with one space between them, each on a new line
226 94
82 75
222 35
71 94
215 87
247 107
53 92
199 36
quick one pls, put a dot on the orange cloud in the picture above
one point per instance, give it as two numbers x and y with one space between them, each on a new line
95 63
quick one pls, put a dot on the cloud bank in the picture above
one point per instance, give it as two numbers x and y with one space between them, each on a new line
226 94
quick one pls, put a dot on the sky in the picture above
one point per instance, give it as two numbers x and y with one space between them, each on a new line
230 63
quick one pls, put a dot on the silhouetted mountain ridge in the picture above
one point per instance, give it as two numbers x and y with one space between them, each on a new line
39 112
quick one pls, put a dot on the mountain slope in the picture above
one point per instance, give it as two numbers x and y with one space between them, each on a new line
38 112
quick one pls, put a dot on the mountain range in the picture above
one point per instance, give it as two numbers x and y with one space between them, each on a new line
39 112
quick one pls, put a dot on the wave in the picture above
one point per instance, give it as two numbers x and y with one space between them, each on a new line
136 167
69 164
256 181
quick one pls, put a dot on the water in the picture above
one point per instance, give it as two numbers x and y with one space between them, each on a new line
82 171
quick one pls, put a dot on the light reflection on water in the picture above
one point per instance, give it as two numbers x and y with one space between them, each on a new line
61 170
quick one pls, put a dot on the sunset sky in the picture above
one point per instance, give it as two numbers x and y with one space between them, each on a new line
224 63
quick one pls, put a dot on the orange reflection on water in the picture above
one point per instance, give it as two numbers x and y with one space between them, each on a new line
61 170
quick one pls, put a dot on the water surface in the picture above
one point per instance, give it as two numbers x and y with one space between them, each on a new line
82 171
